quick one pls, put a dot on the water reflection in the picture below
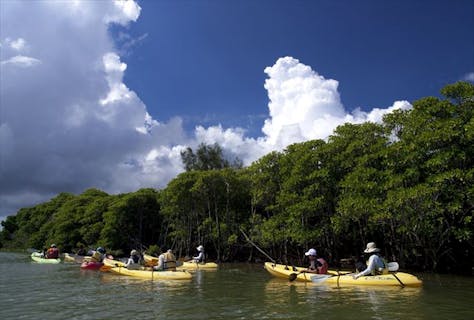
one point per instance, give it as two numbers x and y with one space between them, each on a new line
240 291
361 302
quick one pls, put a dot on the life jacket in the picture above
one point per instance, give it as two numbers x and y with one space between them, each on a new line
52 253
170 261
135 258
321 265
97 256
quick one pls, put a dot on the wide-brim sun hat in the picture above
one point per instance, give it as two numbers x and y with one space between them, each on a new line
311 252
53 246
200 248
371 247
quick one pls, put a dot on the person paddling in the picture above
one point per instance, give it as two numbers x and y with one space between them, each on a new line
317 265
134 260
375 265
166 261
98 255
53 252
200 258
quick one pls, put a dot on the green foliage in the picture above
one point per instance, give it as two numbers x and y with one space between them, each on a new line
207 157
407 183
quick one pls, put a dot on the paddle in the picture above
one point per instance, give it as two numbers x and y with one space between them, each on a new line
320 278
253 243
393 267
294 275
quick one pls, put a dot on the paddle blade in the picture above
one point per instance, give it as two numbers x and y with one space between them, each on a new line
392 266
293 277
105 268
320 278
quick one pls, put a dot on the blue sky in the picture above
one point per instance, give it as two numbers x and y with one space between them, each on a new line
105 94
204 60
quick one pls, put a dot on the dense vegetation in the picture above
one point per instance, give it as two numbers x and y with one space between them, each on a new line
407 184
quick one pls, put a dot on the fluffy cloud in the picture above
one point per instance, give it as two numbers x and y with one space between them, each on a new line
80 126
303 105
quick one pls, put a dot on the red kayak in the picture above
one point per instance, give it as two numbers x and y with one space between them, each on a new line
91 265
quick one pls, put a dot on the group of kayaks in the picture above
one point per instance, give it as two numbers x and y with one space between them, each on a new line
118 267
332 277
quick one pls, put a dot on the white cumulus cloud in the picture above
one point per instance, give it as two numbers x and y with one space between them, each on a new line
303 105
69 122
18 44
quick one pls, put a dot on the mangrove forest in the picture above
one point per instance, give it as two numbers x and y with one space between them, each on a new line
406 183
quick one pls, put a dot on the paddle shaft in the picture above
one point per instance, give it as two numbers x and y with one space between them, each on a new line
252 243
398 279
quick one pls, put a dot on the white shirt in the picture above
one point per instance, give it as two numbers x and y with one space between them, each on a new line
199 258
375 263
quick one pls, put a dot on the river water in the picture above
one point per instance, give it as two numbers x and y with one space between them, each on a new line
236 291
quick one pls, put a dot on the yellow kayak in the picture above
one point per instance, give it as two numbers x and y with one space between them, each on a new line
38 257
197 266
74 258
111 263
145 273
344 277
153 261
150 261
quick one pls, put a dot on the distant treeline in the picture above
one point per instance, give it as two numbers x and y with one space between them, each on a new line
407 184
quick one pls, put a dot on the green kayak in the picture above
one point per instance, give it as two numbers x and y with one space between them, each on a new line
37 257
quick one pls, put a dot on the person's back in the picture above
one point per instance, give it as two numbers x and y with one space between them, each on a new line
98 255
169 261
53 252
375 264
166 262
200 258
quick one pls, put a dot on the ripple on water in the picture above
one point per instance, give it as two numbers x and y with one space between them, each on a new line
35 291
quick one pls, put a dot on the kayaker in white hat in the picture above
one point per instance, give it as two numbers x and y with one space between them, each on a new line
133 261
317 265
200 258
375 265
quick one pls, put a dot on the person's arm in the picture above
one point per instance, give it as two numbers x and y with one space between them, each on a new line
129 262
161 262
368 270
317 264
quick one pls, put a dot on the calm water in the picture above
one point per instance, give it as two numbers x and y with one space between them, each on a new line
237 291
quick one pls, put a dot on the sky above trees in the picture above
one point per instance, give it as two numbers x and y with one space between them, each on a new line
107 94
